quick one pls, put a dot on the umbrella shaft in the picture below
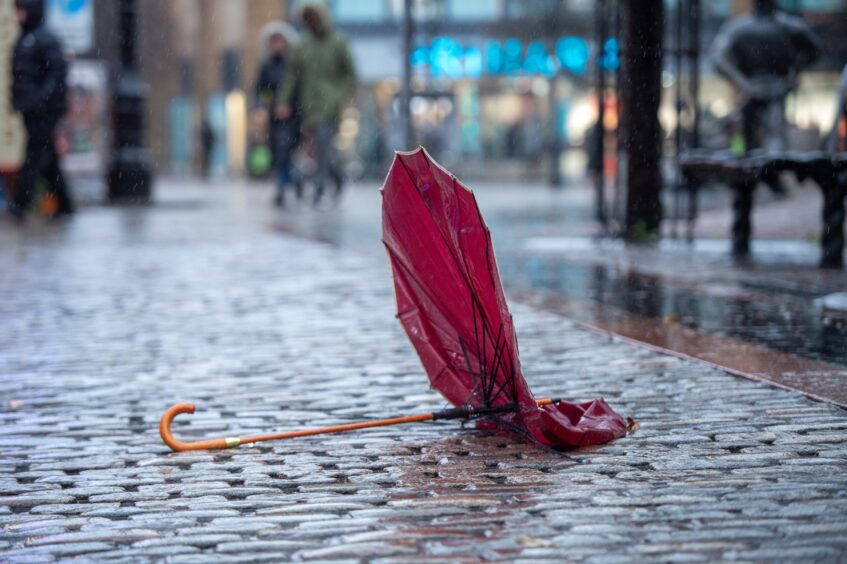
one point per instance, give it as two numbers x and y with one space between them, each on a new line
229 442
455 413
337 428
468 412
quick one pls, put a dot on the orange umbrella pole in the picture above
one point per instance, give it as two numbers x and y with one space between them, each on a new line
229 442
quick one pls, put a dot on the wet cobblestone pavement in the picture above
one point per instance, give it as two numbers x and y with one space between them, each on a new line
108 320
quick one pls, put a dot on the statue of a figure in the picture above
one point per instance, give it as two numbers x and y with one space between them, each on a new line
762 53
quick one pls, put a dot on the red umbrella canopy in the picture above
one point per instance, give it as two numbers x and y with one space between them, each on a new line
450 301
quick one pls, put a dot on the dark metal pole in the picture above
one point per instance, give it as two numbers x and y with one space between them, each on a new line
555 141
694 68
643 24
406 92
130 176
549 27
617 213
681 8
601 32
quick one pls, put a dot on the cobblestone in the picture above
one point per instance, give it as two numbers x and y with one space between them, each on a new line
107 321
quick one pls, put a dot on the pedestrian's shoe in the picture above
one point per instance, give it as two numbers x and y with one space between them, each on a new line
834 262
66 210
279 201
62 214
742 259
15 214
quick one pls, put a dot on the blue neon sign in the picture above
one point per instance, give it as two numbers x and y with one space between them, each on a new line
446 57
573 54
611 54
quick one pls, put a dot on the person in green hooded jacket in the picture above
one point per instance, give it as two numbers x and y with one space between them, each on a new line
322 75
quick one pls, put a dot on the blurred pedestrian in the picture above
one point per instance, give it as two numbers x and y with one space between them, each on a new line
283 133
39 93
207 147
323 75
594 145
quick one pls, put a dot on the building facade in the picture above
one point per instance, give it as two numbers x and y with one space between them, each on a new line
504 83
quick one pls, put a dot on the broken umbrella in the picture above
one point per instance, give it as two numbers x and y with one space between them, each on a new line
451 303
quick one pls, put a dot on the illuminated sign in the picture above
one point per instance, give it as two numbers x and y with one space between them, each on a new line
447 57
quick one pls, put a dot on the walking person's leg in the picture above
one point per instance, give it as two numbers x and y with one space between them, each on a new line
275 142
324 133
56 179
294 172
336 174
286 144
37 148
334 163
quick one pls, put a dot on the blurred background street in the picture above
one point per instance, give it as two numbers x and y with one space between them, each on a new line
667 211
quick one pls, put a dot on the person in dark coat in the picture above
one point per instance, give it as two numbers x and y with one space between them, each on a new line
283 133
207 145
39 93
594 144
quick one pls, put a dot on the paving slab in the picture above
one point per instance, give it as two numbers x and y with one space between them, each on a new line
108 320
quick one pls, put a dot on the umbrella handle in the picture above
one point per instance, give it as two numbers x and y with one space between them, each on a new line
176 444
230 442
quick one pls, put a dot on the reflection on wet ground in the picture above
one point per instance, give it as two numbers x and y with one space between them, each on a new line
766 321
769 319
792 324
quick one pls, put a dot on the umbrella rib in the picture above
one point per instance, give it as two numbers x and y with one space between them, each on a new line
503 385
470 371
499 390
481 350
487 374
492 377
510 378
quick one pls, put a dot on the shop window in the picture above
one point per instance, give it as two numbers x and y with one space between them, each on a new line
360 10
476 10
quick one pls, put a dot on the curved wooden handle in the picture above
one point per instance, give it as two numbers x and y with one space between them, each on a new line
177 445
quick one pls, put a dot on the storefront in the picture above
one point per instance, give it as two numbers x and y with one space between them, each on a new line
481 99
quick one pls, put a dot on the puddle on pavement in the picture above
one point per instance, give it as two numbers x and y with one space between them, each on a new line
798 327
791 342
